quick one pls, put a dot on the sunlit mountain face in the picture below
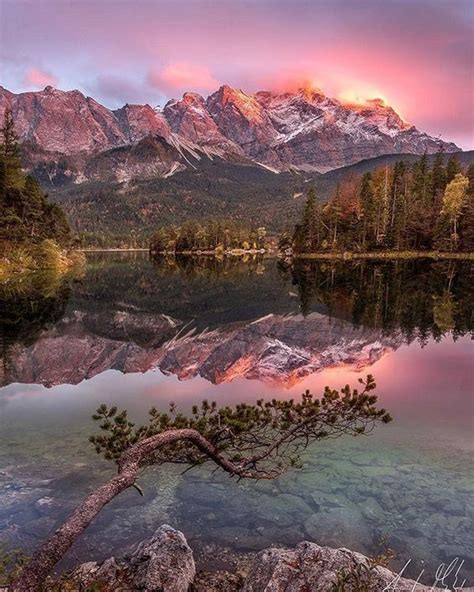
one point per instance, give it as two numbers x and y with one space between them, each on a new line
76 139
222 321
417 60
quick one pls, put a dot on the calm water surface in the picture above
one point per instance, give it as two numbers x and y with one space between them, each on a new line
138 333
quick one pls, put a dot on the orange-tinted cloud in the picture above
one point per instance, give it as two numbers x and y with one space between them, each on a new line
183 76
36 78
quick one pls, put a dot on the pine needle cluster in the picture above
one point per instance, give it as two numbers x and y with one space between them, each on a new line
270 435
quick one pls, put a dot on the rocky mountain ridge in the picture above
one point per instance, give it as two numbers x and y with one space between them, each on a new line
303 130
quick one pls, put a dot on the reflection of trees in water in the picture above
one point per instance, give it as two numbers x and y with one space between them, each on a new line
211 267
28 306
421 298
208 292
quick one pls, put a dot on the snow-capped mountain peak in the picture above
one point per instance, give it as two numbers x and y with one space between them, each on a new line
304 129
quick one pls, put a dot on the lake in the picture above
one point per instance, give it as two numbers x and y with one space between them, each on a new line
141 333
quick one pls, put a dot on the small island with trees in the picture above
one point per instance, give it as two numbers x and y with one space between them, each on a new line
209 237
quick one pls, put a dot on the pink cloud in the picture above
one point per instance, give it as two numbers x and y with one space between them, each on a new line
181 76
419 59
39 78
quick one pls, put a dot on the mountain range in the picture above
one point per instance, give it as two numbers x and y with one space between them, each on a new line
304 130
222 154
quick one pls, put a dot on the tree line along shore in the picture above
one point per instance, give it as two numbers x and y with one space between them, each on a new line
393 212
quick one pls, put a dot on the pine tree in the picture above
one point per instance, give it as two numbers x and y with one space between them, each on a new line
333 213
420 220
438 177
452 168
26 215
367 202
308 236
381 204
3 181
10 151
438 225
466 223
421 180
396 215
342 215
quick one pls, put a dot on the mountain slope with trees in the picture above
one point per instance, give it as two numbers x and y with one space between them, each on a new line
105 213
33 230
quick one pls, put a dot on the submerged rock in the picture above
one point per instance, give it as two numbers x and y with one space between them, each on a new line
47 505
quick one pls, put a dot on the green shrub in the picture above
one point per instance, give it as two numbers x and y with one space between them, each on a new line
47 255
11 563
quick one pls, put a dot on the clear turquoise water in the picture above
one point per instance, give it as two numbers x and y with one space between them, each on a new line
408 486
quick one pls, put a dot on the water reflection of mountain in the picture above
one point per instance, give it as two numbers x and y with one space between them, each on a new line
279 349
226 319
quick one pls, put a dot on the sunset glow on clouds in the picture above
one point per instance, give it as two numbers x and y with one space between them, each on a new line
182 77
415 54
35 78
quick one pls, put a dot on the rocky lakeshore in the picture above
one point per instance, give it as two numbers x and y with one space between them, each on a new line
166 563
343 496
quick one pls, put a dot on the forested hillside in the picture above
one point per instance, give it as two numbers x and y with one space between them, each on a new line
32 228
402 207
105 213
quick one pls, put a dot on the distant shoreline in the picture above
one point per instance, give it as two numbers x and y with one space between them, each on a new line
111 250
387 255
345 255
171 253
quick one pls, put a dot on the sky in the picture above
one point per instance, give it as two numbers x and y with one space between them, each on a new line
417 55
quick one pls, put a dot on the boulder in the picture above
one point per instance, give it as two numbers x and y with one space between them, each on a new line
163 563
310 567
92 573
